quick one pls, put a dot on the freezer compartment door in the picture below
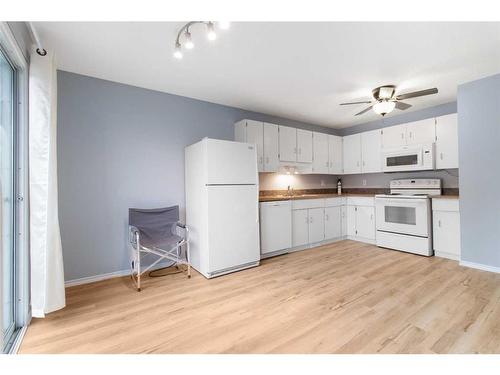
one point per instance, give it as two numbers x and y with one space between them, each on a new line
233 226
231 163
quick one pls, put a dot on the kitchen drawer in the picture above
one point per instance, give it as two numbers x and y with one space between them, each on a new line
445 204
308 203
360 201
334 202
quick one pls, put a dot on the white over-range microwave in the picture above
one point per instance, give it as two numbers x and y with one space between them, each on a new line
408 158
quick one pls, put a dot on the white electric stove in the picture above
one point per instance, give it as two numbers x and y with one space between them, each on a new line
403 217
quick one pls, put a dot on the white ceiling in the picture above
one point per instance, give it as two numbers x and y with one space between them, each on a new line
296 70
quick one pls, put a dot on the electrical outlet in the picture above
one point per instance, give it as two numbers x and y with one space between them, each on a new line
322 183
364 182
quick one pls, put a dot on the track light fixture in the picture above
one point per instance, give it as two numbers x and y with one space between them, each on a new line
184 37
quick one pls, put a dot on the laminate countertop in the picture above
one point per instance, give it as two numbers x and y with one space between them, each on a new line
281 197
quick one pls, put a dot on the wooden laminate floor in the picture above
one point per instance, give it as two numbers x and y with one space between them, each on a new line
347 297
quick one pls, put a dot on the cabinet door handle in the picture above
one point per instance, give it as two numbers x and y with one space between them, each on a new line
371 217
311 219
357 164
260 160
439 223
441 156
327 164
364 163
326 218
411 135
402 135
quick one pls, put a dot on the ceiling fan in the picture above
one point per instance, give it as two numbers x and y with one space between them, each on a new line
386 99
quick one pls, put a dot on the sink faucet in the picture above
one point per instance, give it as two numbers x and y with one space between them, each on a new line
290 191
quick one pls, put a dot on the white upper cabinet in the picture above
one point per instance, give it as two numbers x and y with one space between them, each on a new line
352 154
321 162
288 143
421 132
447 142
255 134
304 146
250 131
335 155
394 136
371 145
412 133
271 147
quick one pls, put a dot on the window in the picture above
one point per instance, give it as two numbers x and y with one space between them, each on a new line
14 255
396 161
7 107
400 215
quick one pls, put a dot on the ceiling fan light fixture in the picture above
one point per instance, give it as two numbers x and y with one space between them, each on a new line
211 34
178 51
384 107
188 40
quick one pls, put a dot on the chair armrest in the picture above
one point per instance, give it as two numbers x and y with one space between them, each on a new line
133 234
186 229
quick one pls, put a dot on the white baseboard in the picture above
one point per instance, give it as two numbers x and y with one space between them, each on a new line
105 276
479 266
443 254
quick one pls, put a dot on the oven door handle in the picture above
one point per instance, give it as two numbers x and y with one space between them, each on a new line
388 201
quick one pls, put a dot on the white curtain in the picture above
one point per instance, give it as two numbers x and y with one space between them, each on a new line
47 273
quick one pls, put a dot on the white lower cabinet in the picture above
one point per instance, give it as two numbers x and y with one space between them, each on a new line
343 211
361 219
300 227
365 222
446 228
316 225
333 222
299 223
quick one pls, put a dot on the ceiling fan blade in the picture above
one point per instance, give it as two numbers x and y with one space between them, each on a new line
417 93
364 111
365 102
402 106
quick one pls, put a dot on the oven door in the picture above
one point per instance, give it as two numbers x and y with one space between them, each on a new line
406 159
403 215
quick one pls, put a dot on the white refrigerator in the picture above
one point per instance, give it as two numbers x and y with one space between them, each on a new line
222 206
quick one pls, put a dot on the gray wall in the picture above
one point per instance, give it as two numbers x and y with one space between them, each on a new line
121 146
449 178
479 149
439 110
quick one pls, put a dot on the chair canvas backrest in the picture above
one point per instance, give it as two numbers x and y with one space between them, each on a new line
153 224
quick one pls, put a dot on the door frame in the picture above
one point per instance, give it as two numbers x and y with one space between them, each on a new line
22 313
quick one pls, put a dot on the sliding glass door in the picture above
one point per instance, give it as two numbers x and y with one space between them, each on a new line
7 201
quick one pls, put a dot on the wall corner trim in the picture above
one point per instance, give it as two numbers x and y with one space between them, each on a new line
479 266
